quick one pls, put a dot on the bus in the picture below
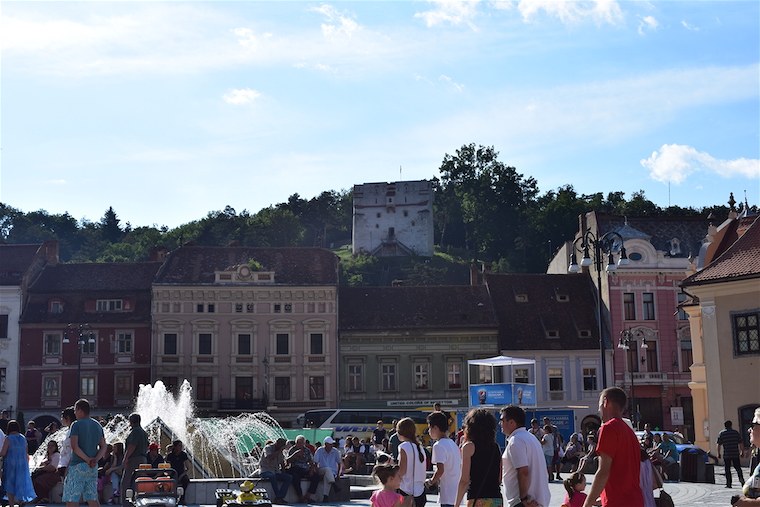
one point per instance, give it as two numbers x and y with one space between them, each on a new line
361 422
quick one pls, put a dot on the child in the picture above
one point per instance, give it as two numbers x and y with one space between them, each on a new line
389 477
574 485
447 460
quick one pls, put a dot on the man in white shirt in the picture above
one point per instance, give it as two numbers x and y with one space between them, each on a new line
524 474
328 460
446 458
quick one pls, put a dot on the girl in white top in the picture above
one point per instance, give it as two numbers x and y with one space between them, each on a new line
412 464
67 419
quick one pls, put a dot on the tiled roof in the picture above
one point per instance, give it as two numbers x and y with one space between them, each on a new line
739 261
116 276
529 306
293 266
14 261
688 230
415 307
36 308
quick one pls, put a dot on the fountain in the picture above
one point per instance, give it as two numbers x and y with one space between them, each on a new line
218 447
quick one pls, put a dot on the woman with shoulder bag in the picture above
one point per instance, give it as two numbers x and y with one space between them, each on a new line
481 462
412 465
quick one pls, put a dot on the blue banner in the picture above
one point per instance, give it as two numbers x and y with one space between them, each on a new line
564 420
502 394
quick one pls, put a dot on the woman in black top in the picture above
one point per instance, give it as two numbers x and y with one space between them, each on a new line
481 461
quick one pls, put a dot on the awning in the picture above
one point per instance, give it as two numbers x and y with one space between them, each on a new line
501 361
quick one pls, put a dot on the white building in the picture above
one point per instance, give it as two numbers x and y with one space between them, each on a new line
393 219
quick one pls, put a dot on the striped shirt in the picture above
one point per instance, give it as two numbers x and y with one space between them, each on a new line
729 438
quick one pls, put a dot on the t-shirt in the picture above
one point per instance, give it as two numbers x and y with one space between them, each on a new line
729 438
325 459
547 444
618 441
445 451
139 439
576 501
378 434
272 459
177 461
89 432
65 449
524 450
385 498
413 481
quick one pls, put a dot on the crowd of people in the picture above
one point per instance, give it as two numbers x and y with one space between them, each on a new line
83 465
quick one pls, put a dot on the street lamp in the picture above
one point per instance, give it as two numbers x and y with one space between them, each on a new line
599 246
627 339
84 336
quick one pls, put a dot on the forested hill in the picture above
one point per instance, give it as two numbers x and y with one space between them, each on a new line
483 209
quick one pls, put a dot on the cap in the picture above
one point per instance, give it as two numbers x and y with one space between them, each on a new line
153 446
328 440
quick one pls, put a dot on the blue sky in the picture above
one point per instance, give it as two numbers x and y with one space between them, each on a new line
166 111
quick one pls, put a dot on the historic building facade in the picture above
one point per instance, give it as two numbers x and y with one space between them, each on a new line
409 346
724 315
393 219
249 328
85 332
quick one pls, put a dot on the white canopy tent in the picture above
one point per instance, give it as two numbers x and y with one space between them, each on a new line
498 361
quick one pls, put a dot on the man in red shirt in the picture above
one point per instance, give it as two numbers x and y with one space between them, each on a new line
619 455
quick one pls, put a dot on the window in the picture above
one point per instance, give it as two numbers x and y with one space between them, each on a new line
243 388
629 306
200 307
108 305
422 376
653 363
170 344
238 307
355 378
485 375
50 387
282 388
632 356
277 308
3 326
56 307
288 308
648 305
682 315
316 347
87 342
170 383
3 378
747 333
124 385
249 308
282 345
388 377
244 344
204 344
204 388
316 388
87 386
52 344
211 308
124 342
454 375
687 358
589 379
556 384
521 376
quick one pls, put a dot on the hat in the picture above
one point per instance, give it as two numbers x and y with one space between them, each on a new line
153 446
328 440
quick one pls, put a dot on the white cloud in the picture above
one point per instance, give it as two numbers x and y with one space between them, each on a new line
338 24
452 12
689 26
447 80
241 96
647 24
675 162
574 11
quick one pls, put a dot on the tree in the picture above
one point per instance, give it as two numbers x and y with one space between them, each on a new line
109 225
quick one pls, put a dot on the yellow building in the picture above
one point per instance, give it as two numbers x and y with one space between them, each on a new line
724 315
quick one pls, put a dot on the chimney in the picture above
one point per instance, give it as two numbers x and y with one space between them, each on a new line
474 274
158 253
50 247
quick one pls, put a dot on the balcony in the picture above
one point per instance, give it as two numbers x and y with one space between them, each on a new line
646 377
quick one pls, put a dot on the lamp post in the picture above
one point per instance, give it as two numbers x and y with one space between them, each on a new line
627 338
599 246
84 336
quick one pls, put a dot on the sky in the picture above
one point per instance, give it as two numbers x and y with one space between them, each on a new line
167 111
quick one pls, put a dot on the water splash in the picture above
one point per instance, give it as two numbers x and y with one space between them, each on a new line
218 447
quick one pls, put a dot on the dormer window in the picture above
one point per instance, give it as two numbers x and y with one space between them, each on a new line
584 333
635 256
552 333
109 305
561 298
56 307
675 247
521 298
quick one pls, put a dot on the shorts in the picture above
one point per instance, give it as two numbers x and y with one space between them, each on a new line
81 482
549 459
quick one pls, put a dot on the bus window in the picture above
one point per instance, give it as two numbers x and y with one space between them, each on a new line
315 418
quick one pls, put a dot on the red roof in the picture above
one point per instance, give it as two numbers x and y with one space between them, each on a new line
740 261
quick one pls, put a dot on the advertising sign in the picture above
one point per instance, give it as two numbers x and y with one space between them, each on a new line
564 420
676 416
502 394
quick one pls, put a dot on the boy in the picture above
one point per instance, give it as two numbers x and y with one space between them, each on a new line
446 458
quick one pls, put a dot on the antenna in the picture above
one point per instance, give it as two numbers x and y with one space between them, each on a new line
399 173
668 193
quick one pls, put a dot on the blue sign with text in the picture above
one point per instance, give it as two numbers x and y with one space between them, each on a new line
502 394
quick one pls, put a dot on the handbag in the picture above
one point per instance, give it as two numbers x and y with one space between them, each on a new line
664 500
